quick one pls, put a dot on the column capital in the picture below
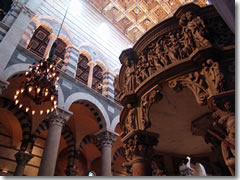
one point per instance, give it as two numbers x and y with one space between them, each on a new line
59 116
139 144
22 157
92 64
107 138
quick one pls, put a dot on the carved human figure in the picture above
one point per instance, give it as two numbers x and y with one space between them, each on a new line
198 29
229 151
187 39
152 63
159 52
131 120
130 76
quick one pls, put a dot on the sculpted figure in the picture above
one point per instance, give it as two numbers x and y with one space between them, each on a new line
198 29
131 120
187 39
130 76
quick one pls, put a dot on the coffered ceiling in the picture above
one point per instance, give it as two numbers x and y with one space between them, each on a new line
134 17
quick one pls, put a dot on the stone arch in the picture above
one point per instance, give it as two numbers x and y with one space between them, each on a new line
101 65
53 21
85 53
81 96
89 139
119 152
70 140
95 111
23 118
104 59
46 26
115 122
15 69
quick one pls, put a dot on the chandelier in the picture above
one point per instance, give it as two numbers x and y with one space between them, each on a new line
40 86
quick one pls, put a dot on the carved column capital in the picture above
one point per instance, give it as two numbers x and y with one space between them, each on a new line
23 158
139 143
59 117
107 138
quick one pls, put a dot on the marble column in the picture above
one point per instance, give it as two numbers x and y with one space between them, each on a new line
13 36
91 65
56 121
106 138
22 159
139 150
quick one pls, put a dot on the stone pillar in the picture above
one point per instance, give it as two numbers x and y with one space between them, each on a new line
108 87
138 146
22 159
91 65
13 36
56 121
106 138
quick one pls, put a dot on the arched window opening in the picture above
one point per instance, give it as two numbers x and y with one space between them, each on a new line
39 41
97 78
91 173
82 69
60 52
5 7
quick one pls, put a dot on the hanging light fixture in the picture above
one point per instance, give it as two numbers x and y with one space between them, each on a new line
41 83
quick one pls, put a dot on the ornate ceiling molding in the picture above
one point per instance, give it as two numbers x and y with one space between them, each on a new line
135 17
